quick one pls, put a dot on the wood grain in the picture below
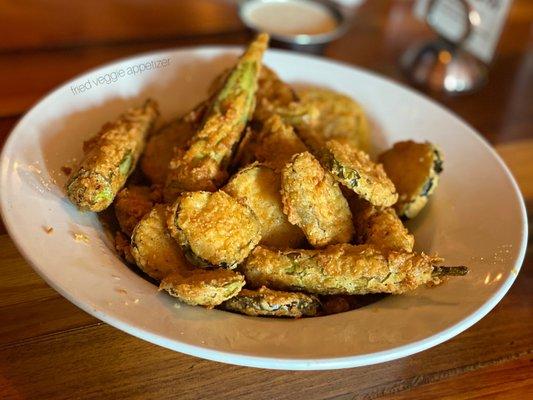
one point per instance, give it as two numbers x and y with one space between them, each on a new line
51 349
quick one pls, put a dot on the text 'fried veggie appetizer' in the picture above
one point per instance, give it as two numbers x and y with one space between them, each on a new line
110 157
213 228
258 187
273 303
313 201
154 251
343 269
379 226
134 202
339 118
207 288
414 168
354 169
203 166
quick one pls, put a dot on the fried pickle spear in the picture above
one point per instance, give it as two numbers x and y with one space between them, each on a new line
110 157
213 228
203 165
258 187
353 169
343 269
170 138
207 288
134 202
273 303
313 201
414 168
339 118
378 226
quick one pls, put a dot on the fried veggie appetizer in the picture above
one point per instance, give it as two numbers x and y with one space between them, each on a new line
313 201
258 187
277 143
213 228
110 157
134 202
154 251
353 169
343 269
339 118
414 168
207 288
203 166
379 226
273 303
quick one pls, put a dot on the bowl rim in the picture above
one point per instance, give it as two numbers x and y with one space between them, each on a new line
241 359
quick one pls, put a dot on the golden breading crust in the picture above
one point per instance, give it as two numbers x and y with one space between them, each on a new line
272 92
213 228
162 145
339 118
353 169
258 187
273 303
379 226
110 157
414 168
207 288
203 165
313 201
154 251
277 143
134 202
339 269
123 247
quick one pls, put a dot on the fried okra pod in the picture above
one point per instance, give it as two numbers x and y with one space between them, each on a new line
207 288
213 229
354 169
169 139
343 269
203 165
258 187
110 157
313 201
134 202
414 168
273 303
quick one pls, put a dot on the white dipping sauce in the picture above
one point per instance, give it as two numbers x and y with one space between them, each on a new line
289 17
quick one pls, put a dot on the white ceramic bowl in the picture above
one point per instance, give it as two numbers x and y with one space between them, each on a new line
476 217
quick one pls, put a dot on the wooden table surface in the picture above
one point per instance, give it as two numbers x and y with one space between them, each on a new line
51 349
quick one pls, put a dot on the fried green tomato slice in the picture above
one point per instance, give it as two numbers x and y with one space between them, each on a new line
273 303
203 165
152 247
214 229
277 143
354 169
134 202
110 157
258 187
313 201
414 168
343 269
339 117
207 288
379 226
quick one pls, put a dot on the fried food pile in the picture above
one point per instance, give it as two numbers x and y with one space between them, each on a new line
262 200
